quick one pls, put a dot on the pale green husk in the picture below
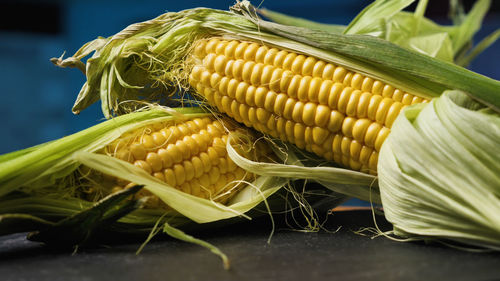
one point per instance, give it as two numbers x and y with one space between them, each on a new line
386 19
44 175
439 172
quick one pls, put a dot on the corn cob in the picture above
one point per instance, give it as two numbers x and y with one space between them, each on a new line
326 109
190 156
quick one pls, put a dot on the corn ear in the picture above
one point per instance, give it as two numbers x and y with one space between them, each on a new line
52 175
323 108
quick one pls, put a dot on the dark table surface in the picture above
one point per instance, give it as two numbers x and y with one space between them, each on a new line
291 255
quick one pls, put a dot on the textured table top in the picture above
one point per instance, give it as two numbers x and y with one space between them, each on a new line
291 255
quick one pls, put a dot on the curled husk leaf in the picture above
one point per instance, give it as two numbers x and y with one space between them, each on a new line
439 172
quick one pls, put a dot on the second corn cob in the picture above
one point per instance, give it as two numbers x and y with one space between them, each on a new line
188 155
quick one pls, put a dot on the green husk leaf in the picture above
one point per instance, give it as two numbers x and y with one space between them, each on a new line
367 21
53 208
437 45
424 189
17 153
463 33
295 21
386 19
179 234
479 48
412 31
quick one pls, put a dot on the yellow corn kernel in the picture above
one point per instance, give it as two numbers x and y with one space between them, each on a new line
154 161
138 151
143 165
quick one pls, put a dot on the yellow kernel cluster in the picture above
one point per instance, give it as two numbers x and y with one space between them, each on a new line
326 109
190 156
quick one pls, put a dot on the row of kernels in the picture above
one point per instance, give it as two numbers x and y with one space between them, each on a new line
309 113
171 134
297 63
308 66
128 137
349 101
162 137
173 156
251 72
204 186
346 99
320 141
388 91
305 88
376 87
342 151
225 51
231 49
